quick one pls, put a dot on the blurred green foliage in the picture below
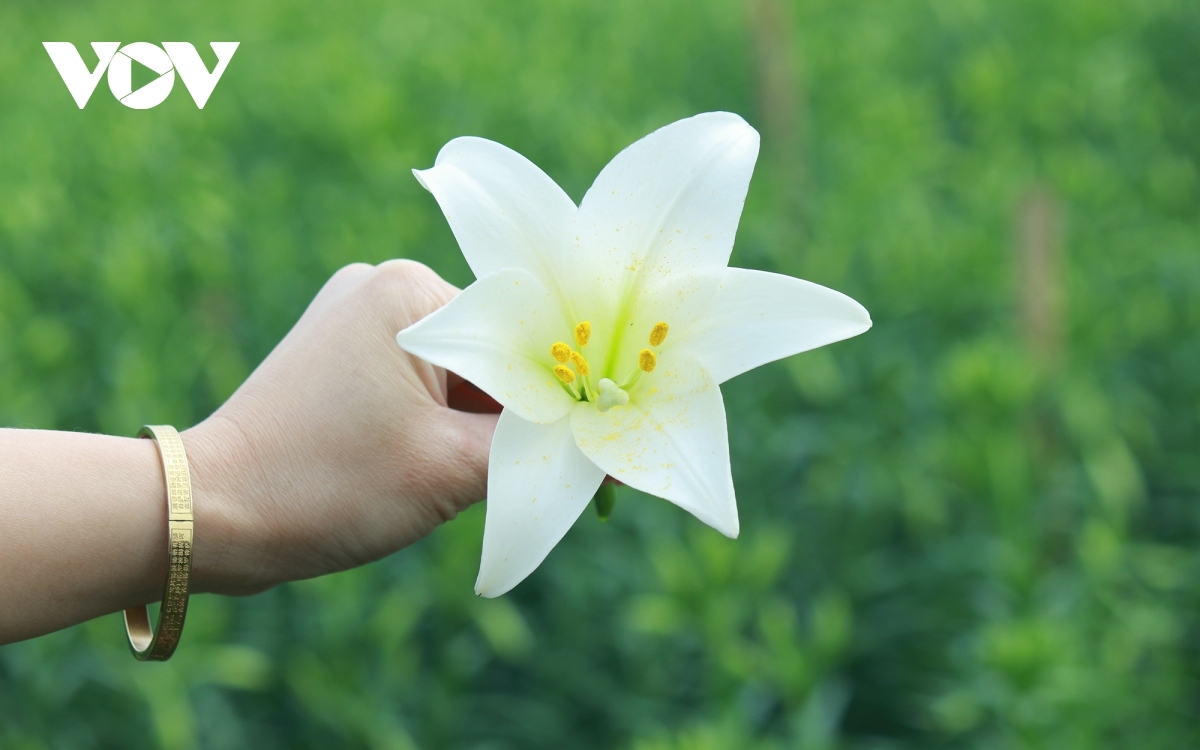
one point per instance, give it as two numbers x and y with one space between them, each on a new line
974 526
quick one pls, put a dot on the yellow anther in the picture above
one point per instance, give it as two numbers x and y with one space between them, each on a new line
580 364
658 334
583 332
561 352
563 373
647 360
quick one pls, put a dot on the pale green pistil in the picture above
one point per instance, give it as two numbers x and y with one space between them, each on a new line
611 395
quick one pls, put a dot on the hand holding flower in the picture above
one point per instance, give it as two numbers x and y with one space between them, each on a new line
339 449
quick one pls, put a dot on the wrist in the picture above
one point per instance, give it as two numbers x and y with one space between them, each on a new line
231 552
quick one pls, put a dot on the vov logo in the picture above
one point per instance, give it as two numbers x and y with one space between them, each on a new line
118 61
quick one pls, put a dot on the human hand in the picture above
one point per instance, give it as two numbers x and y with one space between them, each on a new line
340 448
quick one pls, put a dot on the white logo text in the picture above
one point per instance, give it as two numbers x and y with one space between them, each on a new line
118 61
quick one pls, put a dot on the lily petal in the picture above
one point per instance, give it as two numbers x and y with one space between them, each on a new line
670 440
670 203
538 485
504 211
678 300
496 334
758 317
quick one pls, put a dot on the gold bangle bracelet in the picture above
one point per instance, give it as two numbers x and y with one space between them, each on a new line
158 644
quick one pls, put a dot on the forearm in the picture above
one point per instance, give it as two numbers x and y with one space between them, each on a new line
338 450
83 528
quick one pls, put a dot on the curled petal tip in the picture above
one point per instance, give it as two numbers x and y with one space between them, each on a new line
733 121
866 321
420 175
720 114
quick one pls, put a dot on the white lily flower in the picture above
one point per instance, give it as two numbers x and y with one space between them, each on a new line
605 330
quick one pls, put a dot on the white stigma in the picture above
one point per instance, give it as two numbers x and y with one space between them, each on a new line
610 395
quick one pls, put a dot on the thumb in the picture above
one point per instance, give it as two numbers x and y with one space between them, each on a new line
469 441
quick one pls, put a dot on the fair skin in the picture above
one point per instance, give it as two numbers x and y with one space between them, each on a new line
338 450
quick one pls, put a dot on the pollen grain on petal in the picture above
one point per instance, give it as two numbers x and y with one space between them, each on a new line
564 373
658 333
647 360
581 364
561 352
583 332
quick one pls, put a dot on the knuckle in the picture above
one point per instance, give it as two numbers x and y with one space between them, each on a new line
351 271
405 271
415 283
345 278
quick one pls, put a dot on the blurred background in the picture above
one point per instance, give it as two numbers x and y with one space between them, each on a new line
974 526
